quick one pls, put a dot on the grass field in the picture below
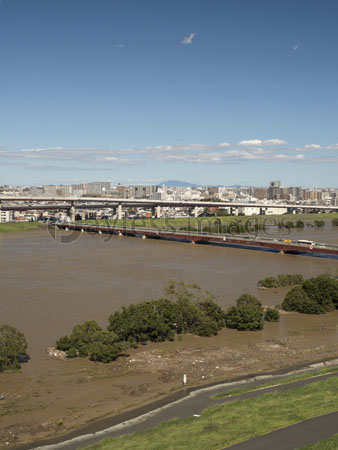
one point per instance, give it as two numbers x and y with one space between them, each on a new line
298 377
204 221
327 444
233 422
19 226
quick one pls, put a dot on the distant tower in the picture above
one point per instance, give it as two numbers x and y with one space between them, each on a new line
274 190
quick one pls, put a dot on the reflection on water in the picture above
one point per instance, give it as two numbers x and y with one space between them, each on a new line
47 288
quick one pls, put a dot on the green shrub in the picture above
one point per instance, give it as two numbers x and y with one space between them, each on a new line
290 279
299 224
297 300
247 315
13 348
271 315
282 280
71 353
323 289
269 282
319 223
335 222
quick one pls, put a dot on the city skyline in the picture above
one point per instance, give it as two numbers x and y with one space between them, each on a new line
234 92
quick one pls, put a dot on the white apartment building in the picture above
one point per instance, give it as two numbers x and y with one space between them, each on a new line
6 216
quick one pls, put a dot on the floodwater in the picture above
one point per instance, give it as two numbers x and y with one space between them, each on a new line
48 287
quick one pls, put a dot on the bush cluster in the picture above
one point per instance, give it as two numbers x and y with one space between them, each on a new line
319 223
316 295
89 339
247 315
183 309
335 222
271 315
13 348
282 280
235 227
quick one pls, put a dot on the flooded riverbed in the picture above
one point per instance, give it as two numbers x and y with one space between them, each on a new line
48 287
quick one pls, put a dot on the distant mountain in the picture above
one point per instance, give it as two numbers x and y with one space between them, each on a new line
174 183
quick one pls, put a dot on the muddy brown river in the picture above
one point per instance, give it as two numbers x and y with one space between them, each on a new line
48 287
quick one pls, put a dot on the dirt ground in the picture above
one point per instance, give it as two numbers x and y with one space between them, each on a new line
64 394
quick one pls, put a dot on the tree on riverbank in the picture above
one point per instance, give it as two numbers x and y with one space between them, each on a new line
317 295
13 348
247 315
184 308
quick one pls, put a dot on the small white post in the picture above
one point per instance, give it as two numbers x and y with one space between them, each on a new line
184 379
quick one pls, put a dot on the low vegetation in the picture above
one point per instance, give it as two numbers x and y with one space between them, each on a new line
237 421
330 443
13 348
287 380
19 226
183 308
282 280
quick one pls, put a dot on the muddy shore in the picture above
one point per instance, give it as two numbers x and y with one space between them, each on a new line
69 394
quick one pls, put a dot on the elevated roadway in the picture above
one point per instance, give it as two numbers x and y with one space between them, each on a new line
165 203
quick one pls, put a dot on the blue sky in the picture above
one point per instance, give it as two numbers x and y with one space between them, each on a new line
138 91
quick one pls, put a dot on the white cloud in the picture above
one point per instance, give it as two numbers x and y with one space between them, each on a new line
274 142
188 39
245 150
312 147
249 142
119 45
295 47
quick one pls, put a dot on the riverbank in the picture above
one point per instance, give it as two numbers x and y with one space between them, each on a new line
12 227
64 395
178 222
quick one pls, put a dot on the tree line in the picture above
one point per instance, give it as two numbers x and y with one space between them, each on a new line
183 309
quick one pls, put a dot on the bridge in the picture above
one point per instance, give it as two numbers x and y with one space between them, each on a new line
71 204
298 247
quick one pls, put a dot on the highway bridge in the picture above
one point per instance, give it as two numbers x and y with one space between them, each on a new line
294 247
75 203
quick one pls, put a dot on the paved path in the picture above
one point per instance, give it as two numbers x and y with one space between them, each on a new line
191 404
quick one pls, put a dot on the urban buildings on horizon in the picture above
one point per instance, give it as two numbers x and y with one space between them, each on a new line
275 191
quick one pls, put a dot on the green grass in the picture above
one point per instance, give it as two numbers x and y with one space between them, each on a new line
229 423
19 226
327 444
204 221
301 376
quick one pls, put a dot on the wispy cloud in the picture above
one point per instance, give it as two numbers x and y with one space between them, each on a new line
119 45
250 150
295 47
249 142
188 39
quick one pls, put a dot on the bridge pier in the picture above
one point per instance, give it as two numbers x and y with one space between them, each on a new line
72 213
119 211
196 211
158 212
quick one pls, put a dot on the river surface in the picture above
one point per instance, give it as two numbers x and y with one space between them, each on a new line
48 287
